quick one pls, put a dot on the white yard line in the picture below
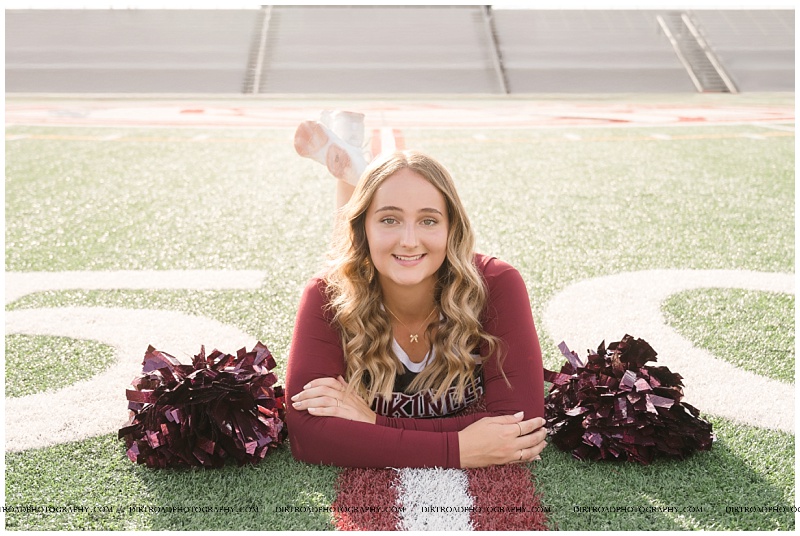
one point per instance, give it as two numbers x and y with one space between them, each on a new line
434 499
782 128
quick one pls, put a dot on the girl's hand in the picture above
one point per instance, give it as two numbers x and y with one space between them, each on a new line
327 397
501 440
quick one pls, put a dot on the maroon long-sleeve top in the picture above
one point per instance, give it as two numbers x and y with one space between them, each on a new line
316 352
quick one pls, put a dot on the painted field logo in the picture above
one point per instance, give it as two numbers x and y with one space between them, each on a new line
97 404
592 310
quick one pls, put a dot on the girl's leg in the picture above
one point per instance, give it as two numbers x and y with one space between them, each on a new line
344 191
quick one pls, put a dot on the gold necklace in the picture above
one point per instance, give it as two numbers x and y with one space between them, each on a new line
413 337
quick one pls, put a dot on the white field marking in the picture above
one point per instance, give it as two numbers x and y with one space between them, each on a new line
574 137
754 136
97 405
439 488
661 136
17 137
607 308
480 137
19 284
784 128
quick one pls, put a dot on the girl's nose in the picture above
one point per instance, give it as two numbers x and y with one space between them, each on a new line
409 238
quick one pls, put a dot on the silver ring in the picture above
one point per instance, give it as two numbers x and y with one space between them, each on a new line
520 455
337 403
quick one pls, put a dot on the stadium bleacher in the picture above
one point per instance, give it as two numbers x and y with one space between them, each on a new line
384 49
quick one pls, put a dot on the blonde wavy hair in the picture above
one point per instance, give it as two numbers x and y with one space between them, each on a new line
357 303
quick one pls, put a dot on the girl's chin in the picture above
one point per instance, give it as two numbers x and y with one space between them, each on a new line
408 280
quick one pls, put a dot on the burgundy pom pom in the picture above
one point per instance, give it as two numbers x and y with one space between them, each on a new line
199 414
616 407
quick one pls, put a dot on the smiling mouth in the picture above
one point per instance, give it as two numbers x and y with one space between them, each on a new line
409 258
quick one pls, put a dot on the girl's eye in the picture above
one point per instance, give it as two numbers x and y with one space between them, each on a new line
389 221
428 221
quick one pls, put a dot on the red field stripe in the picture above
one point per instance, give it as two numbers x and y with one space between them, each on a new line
377 145
505 499
359 489
399 140
375 142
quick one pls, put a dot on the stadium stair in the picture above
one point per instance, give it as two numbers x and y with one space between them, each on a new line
702 65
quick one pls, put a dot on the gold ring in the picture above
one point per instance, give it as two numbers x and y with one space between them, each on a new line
520 455
520 434
337 403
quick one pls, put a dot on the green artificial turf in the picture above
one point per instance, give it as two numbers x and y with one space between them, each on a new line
746 467
95 473
35 363
559 209
752 330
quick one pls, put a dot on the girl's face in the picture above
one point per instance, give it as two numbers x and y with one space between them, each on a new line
406 226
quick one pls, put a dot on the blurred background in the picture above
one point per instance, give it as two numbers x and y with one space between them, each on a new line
376 49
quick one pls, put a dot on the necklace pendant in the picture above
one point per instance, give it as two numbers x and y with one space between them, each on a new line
413 338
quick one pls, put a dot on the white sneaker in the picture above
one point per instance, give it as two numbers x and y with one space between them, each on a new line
314 140
347 125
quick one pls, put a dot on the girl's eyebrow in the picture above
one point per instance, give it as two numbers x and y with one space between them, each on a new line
388 208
